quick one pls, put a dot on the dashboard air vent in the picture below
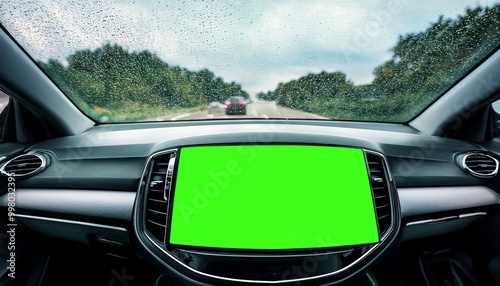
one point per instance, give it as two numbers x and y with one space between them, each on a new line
25 165
158 185
380 186
478 164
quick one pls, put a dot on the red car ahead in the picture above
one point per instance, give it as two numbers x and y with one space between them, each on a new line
236 105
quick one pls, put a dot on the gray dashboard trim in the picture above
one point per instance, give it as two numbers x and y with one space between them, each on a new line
421 201
85 203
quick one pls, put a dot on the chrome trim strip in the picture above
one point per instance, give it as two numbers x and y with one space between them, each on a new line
169 179
419 222
72 222
446 218
140 230
456 217
472 214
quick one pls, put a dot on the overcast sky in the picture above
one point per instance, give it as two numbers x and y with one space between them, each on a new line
255 43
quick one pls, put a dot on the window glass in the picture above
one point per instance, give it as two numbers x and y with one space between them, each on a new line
123 61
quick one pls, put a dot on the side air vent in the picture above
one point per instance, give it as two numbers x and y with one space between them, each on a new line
478 164
380 187
158 184
25 165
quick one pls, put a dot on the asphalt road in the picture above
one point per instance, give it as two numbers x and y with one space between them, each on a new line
261 109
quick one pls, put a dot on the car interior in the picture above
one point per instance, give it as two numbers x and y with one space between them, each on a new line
244 200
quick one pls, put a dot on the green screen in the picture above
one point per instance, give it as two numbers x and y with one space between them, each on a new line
272 197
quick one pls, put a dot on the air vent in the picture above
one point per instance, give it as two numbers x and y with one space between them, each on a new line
160 179
380 186
25 165
478 164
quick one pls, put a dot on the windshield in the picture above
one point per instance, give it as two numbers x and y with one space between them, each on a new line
127 61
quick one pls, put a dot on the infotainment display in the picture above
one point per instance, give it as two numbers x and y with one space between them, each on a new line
271 197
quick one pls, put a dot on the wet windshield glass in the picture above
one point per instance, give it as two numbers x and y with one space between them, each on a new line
124 61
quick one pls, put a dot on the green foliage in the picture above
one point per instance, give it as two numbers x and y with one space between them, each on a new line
112 84
269 96
322 88
422 67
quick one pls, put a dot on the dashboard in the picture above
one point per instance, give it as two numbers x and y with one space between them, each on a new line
96 188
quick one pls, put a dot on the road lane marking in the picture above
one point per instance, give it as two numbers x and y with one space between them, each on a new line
180 116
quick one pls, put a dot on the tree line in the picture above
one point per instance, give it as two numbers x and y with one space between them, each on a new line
423 66
126 85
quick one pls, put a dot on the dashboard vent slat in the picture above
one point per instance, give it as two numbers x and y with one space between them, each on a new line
380 187
158 180
25 165
478 164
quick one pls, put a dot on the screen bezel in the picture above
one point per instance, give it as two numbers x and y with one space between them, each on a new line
331 249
